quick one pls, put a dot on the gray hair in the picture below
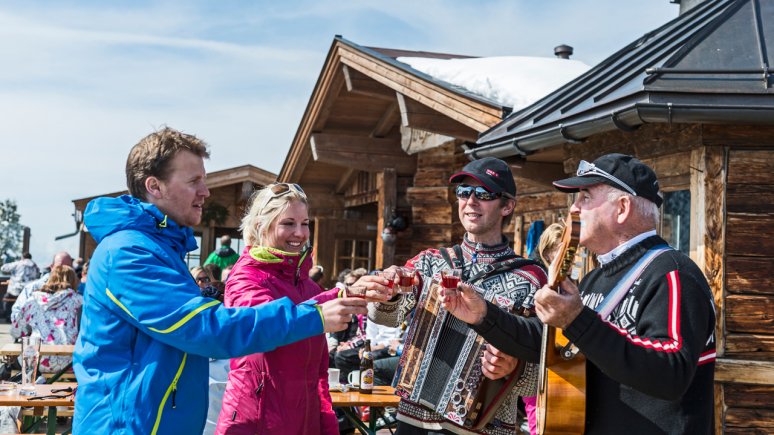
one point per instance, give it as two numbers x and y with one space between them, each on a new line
646 210
265 208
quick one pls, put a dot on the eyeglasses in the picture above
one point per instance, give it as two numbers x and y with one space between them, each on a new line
464 191
203 279
586 168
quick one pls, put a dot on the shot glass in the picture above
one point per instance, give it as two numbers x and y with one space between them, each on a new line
450 278
405 280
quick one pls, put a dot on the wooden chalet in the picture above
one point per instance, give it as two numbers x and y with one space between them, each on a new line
694 100
378 140
230 190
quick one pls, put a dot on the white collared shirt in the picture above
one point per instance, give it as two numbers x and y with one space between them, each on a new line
620 249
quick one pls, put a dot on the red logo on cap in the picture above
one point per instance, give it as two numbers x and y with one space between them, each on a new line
492 173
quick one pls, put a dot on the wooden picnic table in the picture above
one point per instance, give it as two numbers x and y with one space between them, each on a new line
13 349
41 390
382 396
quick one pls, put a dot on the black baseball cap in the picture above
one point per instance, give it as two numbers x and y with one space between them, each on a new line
618 170
493 173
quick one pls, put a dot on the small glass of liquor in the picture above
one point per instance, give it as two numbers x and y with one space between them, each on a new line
450 278
405 280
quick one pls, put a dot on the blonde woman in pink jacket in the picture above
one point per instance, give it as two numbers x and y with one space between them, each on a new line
285 390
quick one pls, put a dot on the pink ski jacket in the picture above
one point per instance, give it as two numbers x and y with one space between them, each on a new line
285 390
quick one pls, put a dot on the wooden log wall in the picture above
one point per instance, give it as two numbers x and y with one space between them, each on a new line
434 220
749 299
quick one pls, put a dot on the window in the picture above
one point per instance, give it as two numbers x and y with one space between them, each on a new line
352 254
676 219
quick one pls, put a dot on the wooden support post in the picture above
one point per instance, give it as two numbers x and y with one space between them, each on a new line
325 248
386 184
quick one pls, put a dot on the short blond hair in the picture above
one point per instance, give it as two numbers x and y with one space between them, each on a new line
265 207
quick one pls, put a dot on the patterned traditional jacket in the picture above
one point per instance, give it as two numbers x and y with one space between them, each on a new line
22 272
523 283
54 316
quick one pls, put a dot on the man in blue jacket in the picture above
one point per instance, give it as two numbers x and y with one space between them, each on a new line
141 359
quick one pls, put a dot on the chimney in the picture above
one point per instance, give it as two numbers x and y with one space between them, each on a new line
563 51
686 5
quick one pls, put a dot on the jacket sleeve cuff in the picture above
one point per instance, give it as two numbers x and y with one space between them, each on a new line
581 324
489 320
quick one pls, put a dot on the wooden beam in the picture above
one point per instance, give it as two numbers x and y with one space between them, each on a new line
744 372
387 186
541 173
389 118
325 108
413 141
362 153
360 84
419 116
347 176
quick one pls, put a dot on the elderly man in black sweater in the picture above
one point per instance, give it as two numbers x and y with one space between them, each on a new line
651 359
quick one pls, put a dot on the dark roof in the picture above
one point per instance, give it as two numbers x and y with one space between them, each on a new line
709 65
390 56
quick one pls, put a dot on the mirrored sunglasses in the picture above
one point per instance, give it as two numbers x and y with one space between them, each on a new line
586 168
464 191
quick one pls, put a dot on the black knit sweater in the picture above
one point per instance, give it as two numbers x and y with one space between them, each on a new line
650 366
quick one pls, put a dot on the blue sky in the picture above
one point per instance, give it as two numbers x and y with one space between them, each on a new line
83 81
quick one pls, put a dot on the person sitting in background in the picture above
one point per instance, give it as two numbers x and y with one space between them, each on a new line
316 274
22 272
53 312
224 256
381 336
61 258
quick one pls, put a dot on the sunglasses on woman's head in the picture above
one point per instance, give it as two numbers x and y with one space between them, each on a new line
279 189
464 191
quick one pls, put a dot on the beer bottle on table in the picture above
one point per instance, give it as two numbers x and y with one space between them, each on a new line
367 369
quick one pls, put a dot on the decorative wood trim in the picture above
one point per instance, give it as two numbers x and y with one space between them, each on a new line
736 371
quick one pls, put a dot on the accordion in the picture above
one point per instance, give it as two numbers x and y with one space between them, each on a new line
440 367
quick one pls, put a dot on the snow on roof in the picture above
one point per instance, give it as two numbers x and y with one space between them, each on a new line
513 81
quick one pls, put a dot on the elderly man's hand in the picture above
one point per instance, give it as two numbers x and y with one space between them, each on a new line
496 364
558 309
